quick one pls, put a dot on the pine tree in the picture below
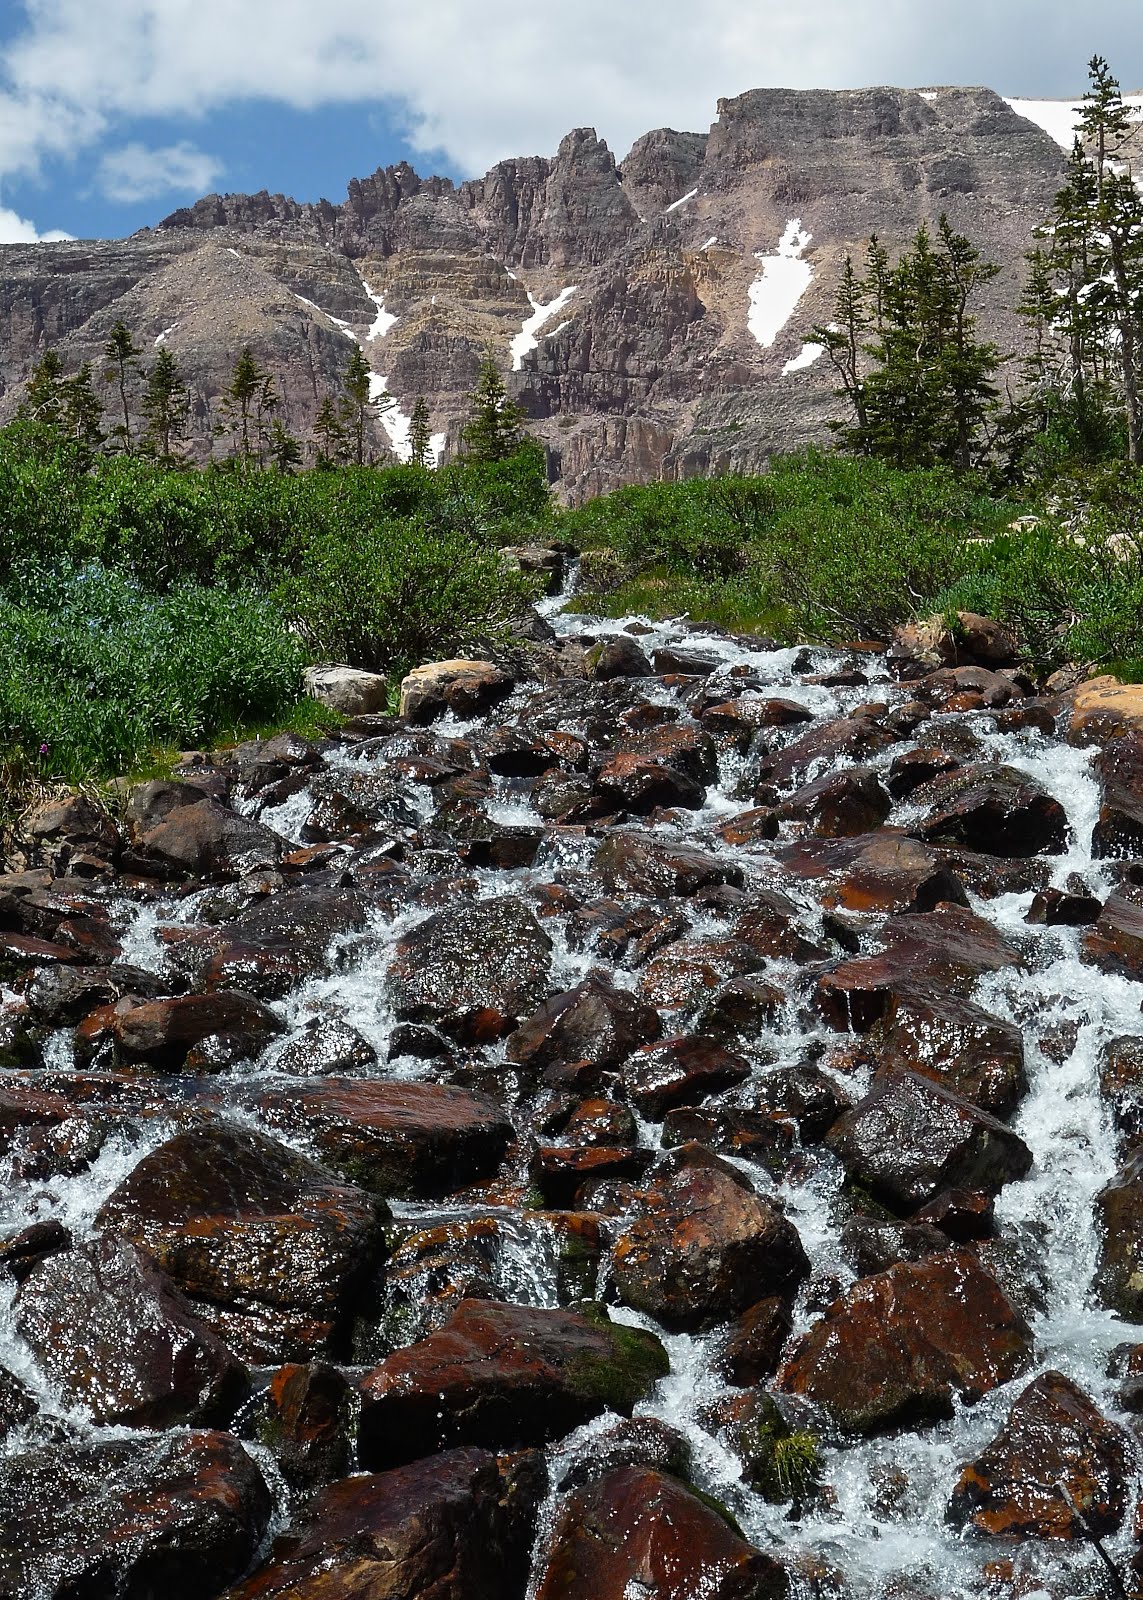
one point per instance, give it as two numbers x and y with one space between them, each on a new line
45 398
121 353
241 402
359 405
83 411
285 451
918 382
165 405
494 430
420 437
333 446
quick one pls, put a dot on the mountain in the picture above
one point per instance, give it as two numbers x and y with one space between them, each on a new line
651 314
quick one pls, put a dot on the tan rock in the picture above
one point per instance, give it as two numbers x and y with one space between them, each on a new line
1103 708
463 687
347 689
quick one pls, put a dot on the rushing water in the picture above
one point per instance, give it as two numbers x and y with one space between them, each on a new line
874 1539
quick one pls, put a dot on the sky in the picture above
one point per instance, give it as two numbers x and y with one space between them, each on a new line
115 112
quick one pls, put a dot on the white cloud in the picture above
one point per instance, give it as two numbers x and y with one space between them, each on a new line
483 82
15 229
136 172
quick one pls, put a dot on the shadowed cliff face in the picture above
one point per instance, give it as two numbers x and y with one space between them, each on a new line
651 366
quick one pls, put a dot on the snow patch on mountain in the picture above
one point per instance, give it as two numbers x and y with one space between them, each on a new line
675 204
339 324
784 279
1059 118
384 320
807 355
528 337
165 335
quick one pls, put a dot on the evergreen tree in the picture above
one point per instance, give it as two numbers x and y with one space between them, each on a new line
918 382
1084 299
494 430
242 401
165 405
420 436
359 405
285 451
332 444
121 353
83 410
45 398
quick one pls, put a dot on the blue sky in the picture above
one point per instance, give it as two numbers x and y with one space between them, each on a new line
114 112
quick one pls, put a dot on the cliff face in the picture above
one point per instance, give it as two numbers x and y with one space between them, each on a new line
651 364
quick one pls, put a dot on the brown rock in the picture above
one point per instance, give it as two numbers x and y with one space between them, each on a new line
637 1529
458 1526
895 1350
840 804
994 809
164 1031
1119 1212
1115 943
503 1376
630 782
1053 1434
654 866
306 1417
680 1072
1103 709
887 872
956 1043
465 688
754 1349
705 1246
593 1022
208 840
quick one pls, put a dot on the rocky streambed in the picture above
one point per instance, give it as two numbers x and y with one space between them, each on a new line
670 1130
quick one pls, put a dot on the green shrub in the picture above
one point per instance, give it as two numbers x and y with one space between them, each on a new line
98 671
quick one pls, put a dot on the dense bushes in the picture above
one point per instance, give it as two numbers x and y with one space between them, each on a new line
98 671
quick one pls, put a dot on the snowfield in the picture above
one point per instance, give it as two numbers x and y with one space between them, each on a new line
784 279
1058 118
528 337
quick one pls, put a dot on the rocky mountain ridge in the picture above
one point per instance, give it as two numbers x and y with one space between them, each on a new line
635 306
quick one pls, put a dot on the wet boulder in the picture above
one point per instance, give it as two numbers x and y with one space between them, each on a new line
63 995
684 747
270 1248
1119 830
413 1140
910 1138
845 741
346 803
180 1515
619 657
1058 908
680 1072
466 688
75 835
306 1416
956 1043
1115 943
888 871
1103 709
325 1046
840 804
689 970
457 1526
897 1348
631 782
871 1246
648 865
1119 1213
163 1032
115 1336
949 946
912 768
1053 1435
994 809
476 971
754 1348
704 1246
594 1022
639 1531
803 1095
740 1010
281 940
208 840
1121 1084
503 1377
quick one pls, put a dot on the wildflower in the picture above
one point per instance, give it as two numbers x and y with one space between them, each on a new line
44 748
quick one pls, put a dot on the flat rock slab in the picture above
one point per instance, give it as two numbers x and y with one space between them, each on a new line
503 1376
414 1140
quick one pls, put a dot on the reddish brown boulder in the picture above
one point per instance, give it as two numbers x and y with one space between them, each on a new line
475 971
503 1376
656 866
179 1515
631 782
679 745
1119 830
163 1032
910 1138
956 1043
560 1171
680 1072
994 809
888 872
705 1246
742 717
1121 1084
269 1247
639 1531
306 1416
912 768
208 840
949 947
689 970
1115 943
1053 1435
754 1349
1119 1212
395 1139
897 1348
593 1022
839 805
458 1526
851 740
115 1336
619 657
